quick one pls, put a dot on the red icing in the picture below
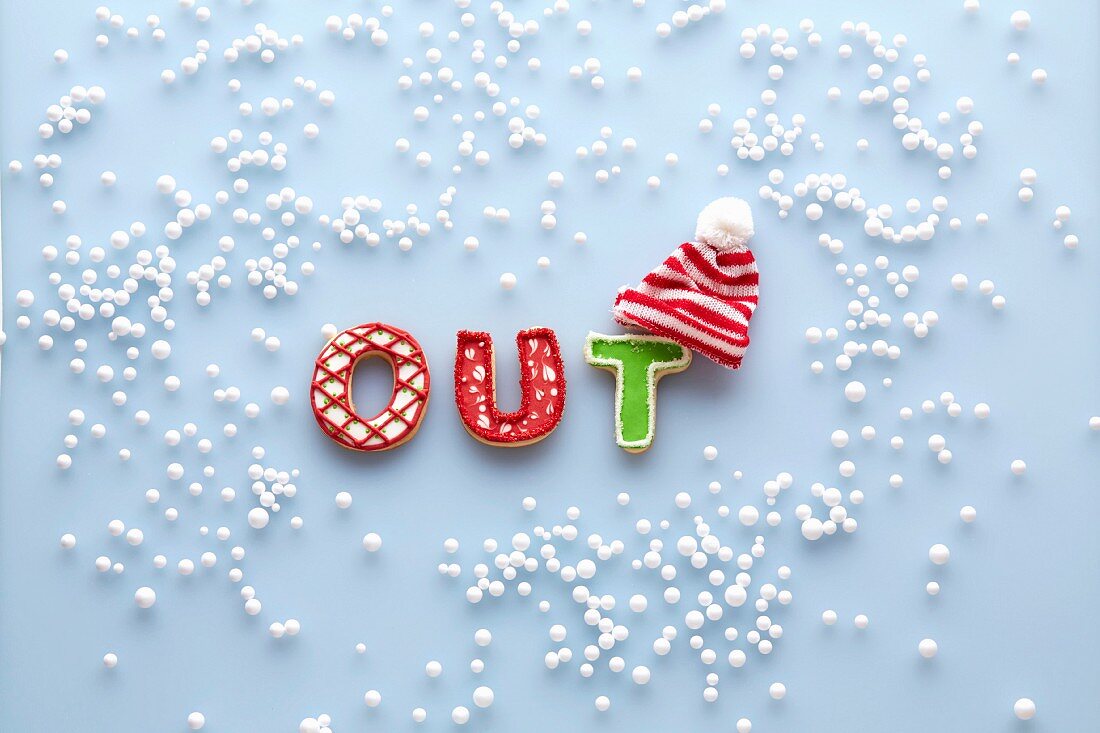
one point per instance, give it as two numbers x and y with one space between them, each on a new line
330 391
542 384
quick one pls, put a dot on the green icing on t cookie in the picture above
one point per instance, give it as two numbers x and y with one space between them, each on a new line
637 361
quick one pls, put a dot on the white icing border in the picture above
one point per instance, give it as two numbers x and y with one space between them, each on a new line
651 381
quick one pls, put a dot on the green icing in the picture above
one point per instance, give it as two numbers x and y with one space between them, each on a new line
637 361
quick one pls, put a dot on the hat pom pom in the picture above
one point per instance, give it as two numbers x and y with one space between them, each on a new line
725 224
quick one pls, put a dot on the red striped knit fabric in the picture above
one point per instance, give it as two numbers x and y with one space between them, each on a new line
699 297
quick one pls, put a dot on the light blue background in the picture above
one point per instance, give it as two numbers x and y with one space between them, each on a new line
1016 616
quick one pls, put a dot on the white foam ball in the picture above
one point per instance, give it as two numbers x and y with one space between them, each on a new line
145 597
1024 708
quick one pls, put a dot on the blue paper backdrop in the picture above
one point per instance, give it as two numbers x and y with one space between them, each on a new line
1016 614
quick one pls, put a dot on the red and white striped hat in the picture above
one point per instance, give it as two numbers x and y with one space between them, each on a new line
703 295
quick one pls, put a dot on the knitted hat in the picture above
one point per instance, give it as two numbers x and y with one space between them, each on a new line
703 295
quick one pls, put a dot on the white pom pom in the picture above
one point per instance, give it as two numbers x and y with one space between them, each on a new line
725 224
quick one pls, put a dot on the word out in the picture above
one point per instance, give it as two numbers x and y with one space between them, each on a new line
637 362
